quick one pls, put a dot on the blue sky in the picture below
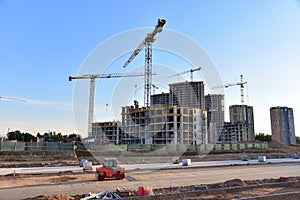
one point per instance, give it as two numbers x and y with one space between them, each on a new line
43 42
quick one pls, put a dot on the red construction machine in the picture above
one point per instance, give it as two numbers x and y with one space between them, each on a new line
110 169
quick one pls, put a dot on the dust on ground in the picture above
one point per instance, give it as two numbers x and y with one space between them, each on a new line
283 187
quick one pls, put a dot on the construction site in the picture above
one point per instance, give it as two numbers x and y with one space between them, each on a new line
174 145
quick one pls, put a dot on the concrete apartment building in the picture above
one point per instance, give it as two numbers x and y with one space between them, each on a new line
107 132
177 117
241 125
214 105
168 125
159 100
187 94
282 124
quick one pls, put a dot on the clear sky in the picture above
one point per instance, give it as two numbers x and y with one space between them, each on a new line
43 42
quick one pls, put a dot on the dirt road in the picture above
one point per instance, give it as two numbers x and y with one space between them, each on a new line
23 187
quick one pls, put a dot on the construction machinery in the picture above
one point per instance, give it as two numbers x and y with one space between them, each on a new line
12 99
191 71
241 84
92 78
110 169
147 43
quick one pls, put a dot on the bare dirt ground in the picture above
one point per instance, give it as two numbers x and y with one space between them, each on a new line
275 189
268 188
170 184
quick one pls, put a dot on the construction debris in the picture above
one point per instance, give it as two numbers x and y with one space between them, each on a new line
118 193
103 195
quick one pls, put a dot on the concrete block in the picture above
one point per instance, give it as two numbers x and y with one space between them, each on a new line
262 159
186 162
82 161
87 166
175 160
295 156
245 158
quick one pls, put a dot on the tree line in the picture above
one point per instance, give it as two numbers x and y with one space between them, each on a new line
50 136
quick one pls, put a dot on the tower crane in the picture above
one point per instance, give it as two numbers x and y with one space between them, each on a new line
92 78
241 84
191 71
12 99
147 43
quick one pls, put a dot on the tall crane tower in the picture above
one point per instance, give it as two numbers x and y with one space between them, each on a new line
92 78
188 71
241 84
147 43
12 99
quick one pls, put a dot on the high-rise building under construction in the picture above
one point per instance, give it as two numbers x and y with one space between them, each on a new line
187 94
214 105
241 125
282 124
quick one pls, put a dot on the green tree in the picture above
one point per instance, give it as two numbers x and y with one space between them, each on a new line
263 137
297 140
74 137
17 135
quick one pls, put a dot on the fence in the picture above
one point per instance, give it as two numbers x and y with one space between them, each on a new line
162 148
36 146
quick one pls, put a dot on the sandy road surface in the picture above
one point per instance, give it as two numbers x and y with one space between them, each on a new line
19 188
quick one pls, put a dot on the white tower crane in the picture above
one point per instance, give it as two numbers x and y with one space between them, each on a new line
92 78
191 71
12 99
147 42
241 84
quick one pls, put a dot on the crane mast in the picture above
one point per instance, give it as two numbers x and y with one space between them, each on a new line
92 78
147 43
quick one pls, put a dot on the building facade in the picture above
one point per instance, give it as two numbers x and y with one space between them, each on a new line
159 100
282 125
214 105
241 125
167 125
243 114
234 132
187 94
107 132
